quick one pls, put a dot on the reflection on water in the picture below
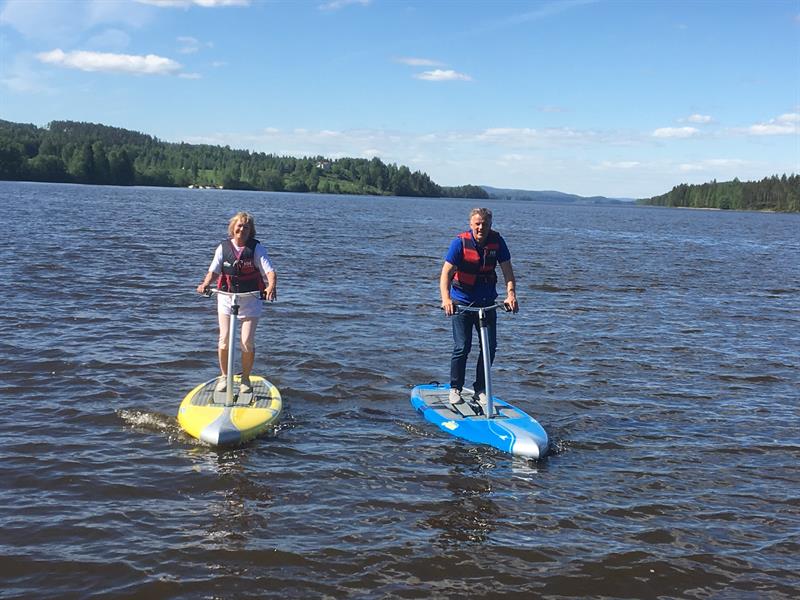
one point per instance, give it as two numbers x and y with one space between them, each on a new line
468 516
244 506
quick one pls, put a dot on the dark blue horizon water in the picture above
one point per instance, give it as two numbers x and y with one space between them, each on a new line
658 347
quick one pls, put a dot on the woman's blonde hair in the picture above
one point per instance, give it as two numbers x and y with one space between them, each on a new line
247 218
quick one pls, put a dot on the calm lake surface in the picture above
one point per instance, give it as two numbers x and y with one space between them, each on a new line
658 347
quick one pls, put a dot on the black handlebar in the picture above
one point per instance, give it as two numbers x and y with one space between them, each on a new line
209 291
470 308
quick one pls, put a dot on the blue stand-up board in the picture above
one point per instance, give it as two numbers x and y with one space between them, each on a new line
510 429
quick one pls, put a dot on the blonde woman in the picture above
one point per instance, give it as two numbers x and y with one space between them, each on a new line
240 264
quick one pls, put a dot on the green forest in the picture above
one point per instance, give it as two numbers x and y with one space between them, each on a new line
74 152
771 193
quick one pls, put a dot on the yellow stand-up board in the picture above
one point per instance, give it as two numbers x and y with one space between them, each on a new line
205 414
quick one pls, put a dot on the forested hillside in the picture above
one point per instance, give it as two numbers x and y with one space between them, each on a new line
771 193
73 152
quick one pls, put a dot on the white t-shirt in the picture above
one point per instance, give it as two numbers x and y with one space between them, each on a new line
249 306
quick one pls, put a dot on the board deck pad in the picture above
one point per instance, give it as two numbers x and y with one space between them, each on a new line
510 429
204 414
260 397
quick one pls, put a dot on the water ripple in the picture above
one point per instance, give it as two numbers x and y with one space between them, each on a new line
659 348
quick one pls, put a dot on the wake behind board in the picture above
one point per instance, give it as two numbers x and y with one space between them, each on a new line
510 429
203 414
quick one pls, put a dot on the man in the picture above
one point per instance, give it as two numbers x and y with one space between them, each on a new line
469 277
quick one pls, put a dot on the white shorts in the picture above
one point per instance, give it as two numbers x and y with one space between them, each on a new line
249 306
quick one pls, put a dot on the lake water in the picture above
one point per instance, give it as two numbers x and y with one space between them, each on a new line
658 347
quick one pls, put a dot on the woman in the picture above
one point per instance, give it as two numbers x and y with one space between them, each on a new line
240 264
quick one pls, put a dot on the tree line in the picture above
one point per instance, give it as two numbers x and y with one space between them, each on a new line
76 152
771 193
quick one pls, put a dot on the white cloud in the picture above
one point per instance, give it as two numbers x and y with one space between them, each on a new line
435 74
772 129
419 62
785 124
37 21
715 164
526 137
362 143
702 119
621 164
725 162
337 4
19 76
22 84
188 3
542 11
675 132
105 61
64 22
443 75
518 133
190 45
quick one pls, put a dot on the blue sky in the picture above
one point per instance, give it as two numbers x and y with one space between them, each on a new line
592 97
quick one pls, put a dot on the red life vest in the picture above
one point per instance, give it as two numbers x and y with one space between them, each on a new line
473 269
239 270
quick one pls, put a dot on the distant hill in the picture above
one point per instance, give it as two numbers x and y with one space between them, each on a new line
774 193
550 196
90 153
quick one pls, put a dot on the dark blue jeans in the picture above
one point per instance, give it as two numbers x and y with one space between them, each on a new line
463 324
